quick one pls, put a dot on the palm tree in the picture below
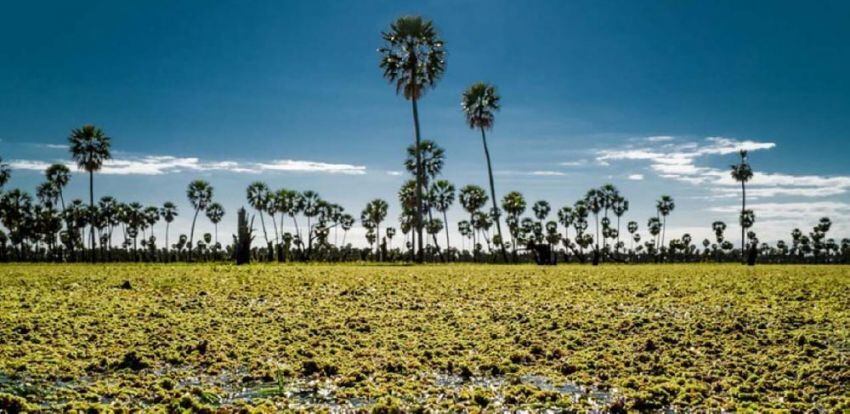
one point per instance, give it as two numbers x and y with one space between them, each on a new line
89 148
200 195
215 212
472 198
372 216
432 158
442 196
168 213
514 205
742 172
58 176
595 201
665 206
293 202
413 59
541 210
480 102
5 173
632 227
258 197
151 215
311 204
346 221
619 206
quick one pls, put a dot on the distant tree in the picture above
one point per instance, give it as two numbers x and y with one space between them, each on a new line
215 212
258 196
168 211
442 196
200 195
90 148
472 198
595 202
373 215
58 175
665 205
413 59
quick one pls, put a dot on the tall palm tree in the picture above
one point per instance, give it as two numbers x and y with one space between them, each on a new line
90 148
258 197
169 213
58 176
200 195
442 196
215 212
480 102
742 172
413 59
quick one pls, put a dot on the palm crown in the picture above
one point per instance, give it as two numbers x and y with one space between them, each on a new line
412 56
480 102
89 147
742 172
199 194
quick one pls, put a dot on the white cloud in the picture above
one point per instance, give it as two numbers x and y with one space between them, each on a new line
636 177
313 166
678 161
394 173
660 138
166 164
548 173
577 163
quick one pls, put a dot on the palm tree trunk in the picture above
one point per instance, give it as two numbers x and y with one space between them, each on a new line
420 257
493 196
446 221
276 234
743 208
91 212
297 230
263 223
191 232
167 225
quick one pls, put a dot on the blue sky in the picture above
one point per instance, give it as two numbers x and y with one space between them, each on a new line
654 97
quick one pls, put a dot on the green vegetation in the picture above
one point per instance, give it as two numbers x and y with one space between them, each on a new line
450 337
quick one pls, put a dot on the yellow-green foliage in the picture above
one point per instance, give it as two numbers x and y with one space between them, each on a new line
393 338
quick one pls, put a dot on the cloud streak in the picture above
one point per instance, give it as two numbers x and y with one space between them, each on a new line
166 164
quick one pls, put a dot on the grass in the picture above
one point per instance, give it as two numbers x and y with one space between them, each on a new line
462 337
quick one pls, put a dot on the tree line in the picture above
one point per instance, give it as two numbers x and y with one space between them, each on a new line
412 58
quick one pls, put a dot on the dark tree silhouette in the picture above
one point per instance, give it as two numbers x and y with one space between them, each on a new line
200 195
90 148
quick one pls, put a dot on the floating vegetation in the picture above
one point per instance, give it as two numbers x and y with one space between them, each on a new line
446 338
